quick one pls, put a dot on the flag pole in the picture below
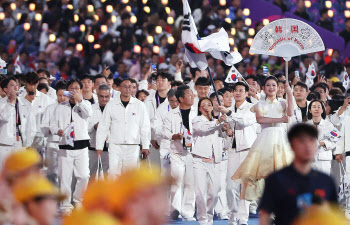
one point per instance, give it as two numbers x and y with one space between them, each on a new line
212 82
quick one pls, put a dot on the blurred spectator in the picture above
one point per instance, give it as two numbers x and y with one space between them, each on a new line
324 21
301 12
281 5
346 32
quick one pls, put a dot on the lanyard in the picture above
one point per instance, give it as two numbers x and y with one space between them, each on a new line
17 113
168 108
295 114
158 100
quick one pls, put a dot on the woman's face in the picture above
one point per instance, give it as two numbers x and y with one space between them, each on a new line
270 88
316 109
206 107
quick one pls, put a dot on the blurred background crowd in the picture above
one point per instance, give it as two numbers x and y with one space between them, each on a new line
70 37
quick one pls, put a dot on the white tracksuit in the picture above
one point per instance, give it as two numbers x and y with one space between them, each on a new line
128 128
52 149
8 138
182 194
297 114
151 105
207 155
244 126
324 156
77 160
93 159
343 146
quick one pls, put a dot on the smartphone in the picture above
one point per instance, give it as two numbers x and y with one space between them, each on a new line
154 67
265 70
347 94
67 94
296 73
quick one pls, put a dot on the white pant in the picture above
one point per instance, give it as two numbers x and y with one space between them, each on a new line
182 194
122 158
51 155
70 161
221 205
5 150
347 178
164 161
322 166
93 163
154 157
239 208
207 185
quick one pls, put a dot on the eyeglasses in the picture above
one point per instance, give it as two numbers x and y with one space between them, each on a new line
127 87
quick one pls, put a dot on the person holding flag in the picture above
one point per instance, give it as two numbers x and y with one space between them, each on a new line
178 129
70 122
310 75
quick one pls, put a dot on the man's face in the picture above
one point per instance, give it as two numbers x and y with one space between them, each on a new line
31 87
11 88
133 89
188 98
103 97
74 87
173 102
304 148
42 74
202 91
253 84
322 93
162 83
216 104
142 96
227 99
218 84
299 93
125 89
87 85
98 82
44 211
240 94
60 97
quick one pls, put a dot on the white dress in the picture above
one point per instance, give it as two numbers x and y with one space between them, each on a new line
270 152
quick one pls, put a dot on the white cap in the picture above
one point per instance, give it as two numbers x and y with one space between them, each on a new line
52 77
163 66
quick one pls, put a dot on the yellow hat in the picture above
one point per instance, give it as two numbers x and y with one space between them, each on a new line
32 186
89 218
110 195
20 161
335 79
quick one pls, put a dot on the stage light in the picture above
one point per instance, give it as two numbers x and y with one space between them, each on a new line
248 22
26 26
137 49
91 38
79 47
246 12
52 37
251 31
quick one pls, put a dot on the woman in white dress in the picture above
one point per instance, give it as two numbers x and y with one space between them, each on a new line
327 136
270 151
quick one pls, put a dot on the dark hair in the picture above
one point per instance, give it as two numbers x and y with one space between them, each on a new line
125 79
302 129
246 87
213 95
313 96
339 85
117 81
194 70
31 78
47 73
323 11
176 83
98 76
141 91
5 82
43 78
301 84
253 77
171 93
313 88
73 81
132 80
279 75
217 79
180 92
110 77
202 81
336 102
165 75
323 115
42 86
200 101
86 76
270 78
60 85
335 91
324 85
224 90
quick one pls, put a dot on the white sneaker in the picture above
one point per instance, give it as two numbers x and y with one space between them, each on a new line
347 214
223 216
189 219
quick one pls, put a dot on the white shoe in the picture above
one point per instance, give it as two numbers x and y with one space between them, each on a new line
189 219
223 216
347 214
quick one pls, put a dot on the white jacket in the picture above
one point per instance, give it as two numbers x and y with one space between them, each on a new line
151 105
126 126
8 123
158 123
297 115
46 123
244 125
172 125
37 108
63 117
95 118
206 138
52 93
343 144
325 127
